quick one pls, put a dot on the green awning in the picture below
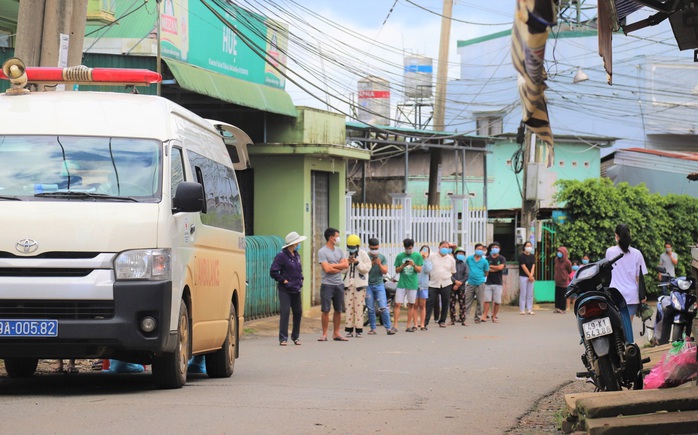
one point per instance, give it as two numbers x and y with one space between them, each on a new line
230 89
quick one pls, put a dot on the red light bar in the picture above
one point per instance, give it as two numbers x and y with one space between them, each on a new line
90 76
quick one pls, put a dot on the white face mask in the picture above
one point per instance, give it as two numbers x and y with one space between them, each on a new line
337 240
528 249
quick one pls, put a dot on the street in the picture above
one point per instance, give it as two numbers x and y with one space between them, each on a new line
455 380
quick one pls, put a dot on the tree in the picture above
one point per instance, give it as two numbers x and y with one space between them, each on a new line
595 207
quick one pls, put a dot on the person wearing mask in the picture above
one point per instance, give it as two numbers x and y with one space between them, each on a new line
440 283
458 292
287 271
668 260
493 284
423 292
626 272
527 273
585 259
332 264
562 270
355 283
408 264
375 294
478 268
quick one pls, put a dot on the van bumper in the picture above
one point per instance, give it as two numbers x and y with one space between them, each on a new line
119 336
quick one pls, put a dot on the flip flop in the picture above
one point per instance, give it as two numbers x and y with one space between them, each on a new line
297 342
283 343
322 339
340 338
494 320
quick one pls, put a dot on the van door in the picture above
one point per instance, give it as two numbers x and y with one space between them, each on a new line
236 141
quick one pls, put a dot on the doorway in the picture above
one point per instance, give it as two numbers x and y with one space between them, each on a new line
320 221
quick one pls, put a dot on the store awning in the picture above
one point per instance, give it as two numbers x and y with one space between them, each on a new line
232 90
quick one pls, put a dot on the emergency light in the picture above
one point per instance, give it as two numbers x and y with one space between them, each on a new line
14 70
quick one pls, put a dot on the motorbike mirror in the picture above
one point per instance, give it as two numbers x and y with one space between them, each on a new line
660 269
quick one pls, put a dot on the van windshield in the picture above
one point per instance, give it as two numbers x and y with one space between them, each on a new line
77 167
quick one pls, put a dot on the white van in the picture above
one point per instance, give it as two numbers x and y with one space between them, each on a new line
123 233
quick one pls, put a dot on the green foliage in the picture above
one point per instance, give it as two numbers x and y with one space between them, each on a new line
595 207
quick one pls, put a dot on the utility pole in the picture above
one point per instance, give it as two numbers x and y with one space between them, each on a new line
434 195
528 206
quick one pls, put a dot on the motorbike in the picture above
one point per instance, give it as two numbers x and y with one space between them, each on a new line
612 360
676 308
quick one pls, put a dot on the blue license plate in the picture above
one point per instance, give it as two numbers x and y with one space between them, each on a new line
28 328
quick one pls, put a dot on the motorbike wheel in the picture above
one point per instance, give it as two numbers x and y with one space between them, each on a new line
676 332
607 373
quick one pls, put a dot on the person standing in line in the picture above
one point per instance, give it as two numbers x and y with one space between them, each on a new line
440 283
408 264
571 299
626 271
493 284
287 271
332 264
355 282
562 271
668 260
479 268
527 274
458 292
585 259
376 289
423 291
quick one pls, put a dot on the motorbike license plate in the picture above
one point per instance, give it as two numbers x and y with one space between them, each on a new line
28 328
597 328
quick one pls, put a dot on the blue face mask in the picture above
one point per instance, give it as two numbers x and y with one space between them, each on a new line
575 267
585 261
445 251
298 247
352 250
495 250
460 257
559 255
479 252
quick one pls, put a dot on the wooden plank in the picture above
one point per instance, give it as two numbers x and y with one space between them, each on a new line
657 423
571 399
638 402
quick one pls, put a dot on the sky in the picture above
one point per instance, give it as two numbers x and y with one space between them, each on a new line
380 33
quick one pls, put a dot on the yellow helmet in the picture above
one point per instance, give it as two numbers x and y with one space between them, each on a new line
353 240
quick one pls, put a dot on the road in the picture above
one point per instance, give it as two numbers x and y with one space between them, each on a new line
452 380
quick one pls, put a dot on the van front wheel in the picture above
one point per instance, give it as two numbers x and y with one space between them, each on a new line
221 364
170 368
21 367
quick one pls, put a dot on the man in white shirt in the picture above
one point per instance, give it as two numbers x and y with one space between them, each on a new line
440 281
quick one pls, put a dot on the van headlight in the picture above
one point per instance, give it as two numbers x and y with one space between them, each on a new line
146 264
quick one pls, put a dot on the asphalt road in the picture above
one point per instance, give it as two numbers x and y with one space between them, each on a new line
454 380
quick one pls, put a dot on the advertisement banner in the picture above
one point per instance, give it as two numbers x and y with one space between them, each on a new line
191 33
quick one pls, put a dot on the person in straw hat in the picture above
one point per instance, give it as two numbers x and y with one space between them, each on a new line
287 271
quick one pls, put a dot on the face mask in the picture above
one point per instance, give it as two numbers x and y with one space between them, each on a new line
585 261
444 251
298 247
668 249
575 267
352 250
337 240
373 252
424 251
528 249
460 257
559 255
479 252
495 250
408 251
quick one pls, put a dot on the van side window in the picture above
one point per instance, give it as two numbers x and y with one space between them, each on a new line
223 205
177 169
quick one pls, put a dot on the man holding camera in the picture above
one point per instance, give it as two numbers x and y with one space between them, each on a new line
408 264
376 289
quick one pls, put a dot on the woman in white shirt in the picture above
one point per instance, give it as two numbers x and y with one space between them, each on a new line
626 271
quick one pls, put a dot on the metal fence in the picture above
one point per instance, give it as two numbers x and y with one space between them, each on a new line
392 223
261 299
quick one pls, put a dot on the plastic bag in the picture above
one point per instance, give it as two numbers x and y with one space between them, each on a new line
678 366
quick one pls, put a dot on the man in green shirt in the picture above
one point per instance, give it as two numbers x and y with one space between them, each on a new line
408 264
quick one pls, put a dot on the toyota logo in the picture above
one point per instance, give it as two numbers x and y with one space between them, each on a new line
27 246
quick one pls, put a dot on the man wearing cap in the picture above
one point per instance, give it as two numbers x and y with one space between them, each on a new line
287 271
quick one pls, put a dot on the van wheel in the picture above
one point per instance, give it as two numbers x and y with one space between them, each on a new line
221 364
170 368
21 367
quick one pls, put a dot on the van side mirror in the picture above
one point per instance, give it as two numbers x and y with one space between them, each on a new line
189 197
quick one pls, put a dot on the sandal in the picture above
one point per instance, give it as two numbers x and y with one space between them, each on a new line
495 320
297 342
372 332
350 335
322 339
72 370
340 338
282 343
